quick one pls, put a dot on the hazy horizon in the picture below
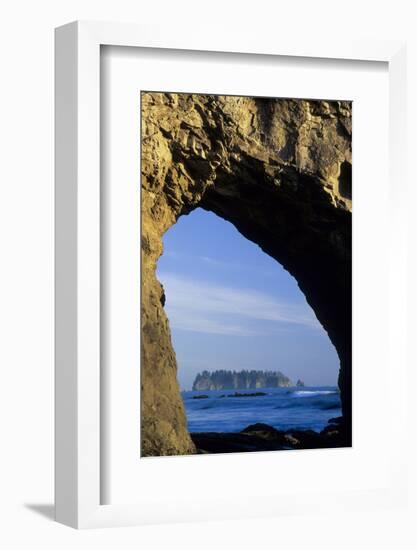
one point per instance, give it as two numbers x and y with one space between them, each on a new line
233 307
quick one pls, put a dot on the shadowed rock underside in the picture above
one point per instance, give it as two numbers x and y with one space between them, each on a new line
280 171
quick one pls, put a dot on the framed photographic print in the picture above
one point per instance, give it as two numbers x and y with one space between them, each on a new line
228 213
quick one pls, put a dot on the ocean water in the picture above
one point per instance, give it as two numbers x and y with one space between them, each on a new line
283 408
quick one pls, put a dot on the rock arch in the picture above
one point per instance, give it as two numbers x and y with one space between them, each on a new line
272 167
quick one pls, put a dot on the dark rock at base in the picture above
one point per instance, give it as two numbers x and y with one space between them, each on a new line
262 437
330 431
259 427
200 397
305 439
214 442
264 431
335 435
336 420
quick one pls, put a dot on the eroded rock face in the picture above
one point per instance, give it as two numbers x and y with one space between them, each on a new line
280 171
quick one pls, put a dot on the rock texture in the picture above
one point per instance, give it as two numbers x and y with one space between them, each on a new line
280 171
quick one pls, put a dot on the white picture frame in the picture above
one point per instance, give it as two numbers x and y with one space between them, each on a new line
78 410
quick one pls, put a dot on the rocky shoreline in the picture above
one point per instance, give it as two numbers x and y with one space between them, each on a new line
261 437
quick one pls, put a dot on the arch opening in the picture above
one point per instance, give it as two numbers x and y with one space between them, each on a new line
241 328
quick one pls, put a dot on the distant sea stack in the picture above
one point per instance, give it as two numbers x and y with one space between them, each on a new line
244 379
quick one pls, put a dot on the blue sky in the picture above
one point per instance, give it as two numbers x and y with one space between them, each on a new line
231 306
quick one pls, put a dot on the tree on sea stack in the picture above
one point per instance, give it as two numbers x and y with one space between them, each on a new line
235 380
